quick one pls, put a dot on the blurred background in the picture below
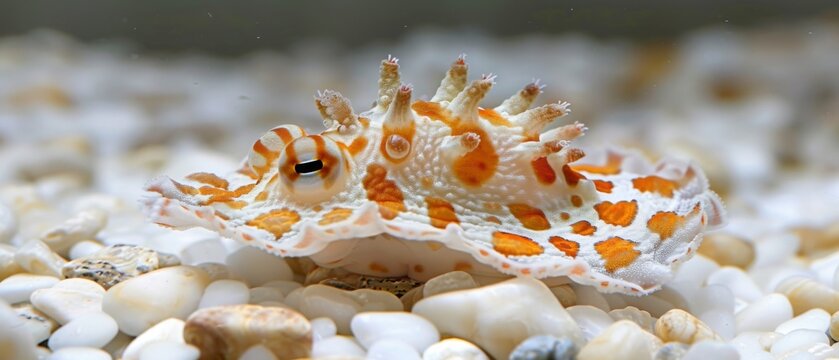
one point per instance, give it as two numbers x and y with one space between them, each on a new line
100 96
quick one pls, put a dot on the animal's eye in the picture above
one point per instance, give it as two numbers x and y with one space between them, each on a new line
313 168
308 167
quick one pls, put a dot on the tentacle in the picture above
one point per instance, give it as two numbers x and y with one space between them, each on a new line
454 82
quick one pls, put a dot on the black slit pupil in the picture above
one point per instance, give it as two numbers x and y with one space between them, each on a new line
308 167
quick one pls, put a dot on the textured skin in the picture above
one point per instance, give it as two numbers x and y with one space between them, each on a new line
522 203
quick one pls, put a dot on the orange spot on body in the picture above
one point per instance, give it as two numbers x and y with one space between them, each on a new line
335 215
209 179
564 216
621 213
530 217
576 200
603 186
262 196
612 166
236 204
543 171
665 223
572 178
494 117
525 271
277 222
247 171
583 228
617 253
440 212
515 245
493 220
475 167
186 189
483 252
358 144
655 184
418 268
570 248
383 191
379 268
462 266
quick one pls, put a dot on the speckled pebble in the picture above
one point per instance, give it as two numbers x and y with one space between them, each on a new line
544 347
228 331
113 264
38 324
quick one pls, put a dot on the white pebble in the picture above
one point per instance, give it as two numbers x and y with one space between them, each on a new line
815 319
84 248
169 350
590 296
389 349
263 294
84 225
322 328
258 352
341 305
38 324
69 299
454 349
371 327
215 271
723 322
19 287
79 353
166 330
591 320
798 339
90 330
337 346
177 293
204 251
736 280
257 267
623 338
224 292
765 314
8 266
8 223
755 345
15 344
707 349
496 318
37 258
286 286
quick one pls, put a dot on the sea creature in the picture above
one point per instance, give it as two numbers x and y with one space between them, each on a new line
419 188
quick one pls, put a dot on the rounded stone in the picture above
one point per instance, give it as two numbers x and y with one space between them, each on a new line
166 330
370 327
623 338
19 287
90 330
337 346
169 350
228 331
38 324
322 328
113 264
454 348
765 314
8 266
798 339
388 349
37 258
257 267
545 347
716 350
69 299
84 248
178 291
341 305
224 292
262 294
815 319
591 320
79 353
